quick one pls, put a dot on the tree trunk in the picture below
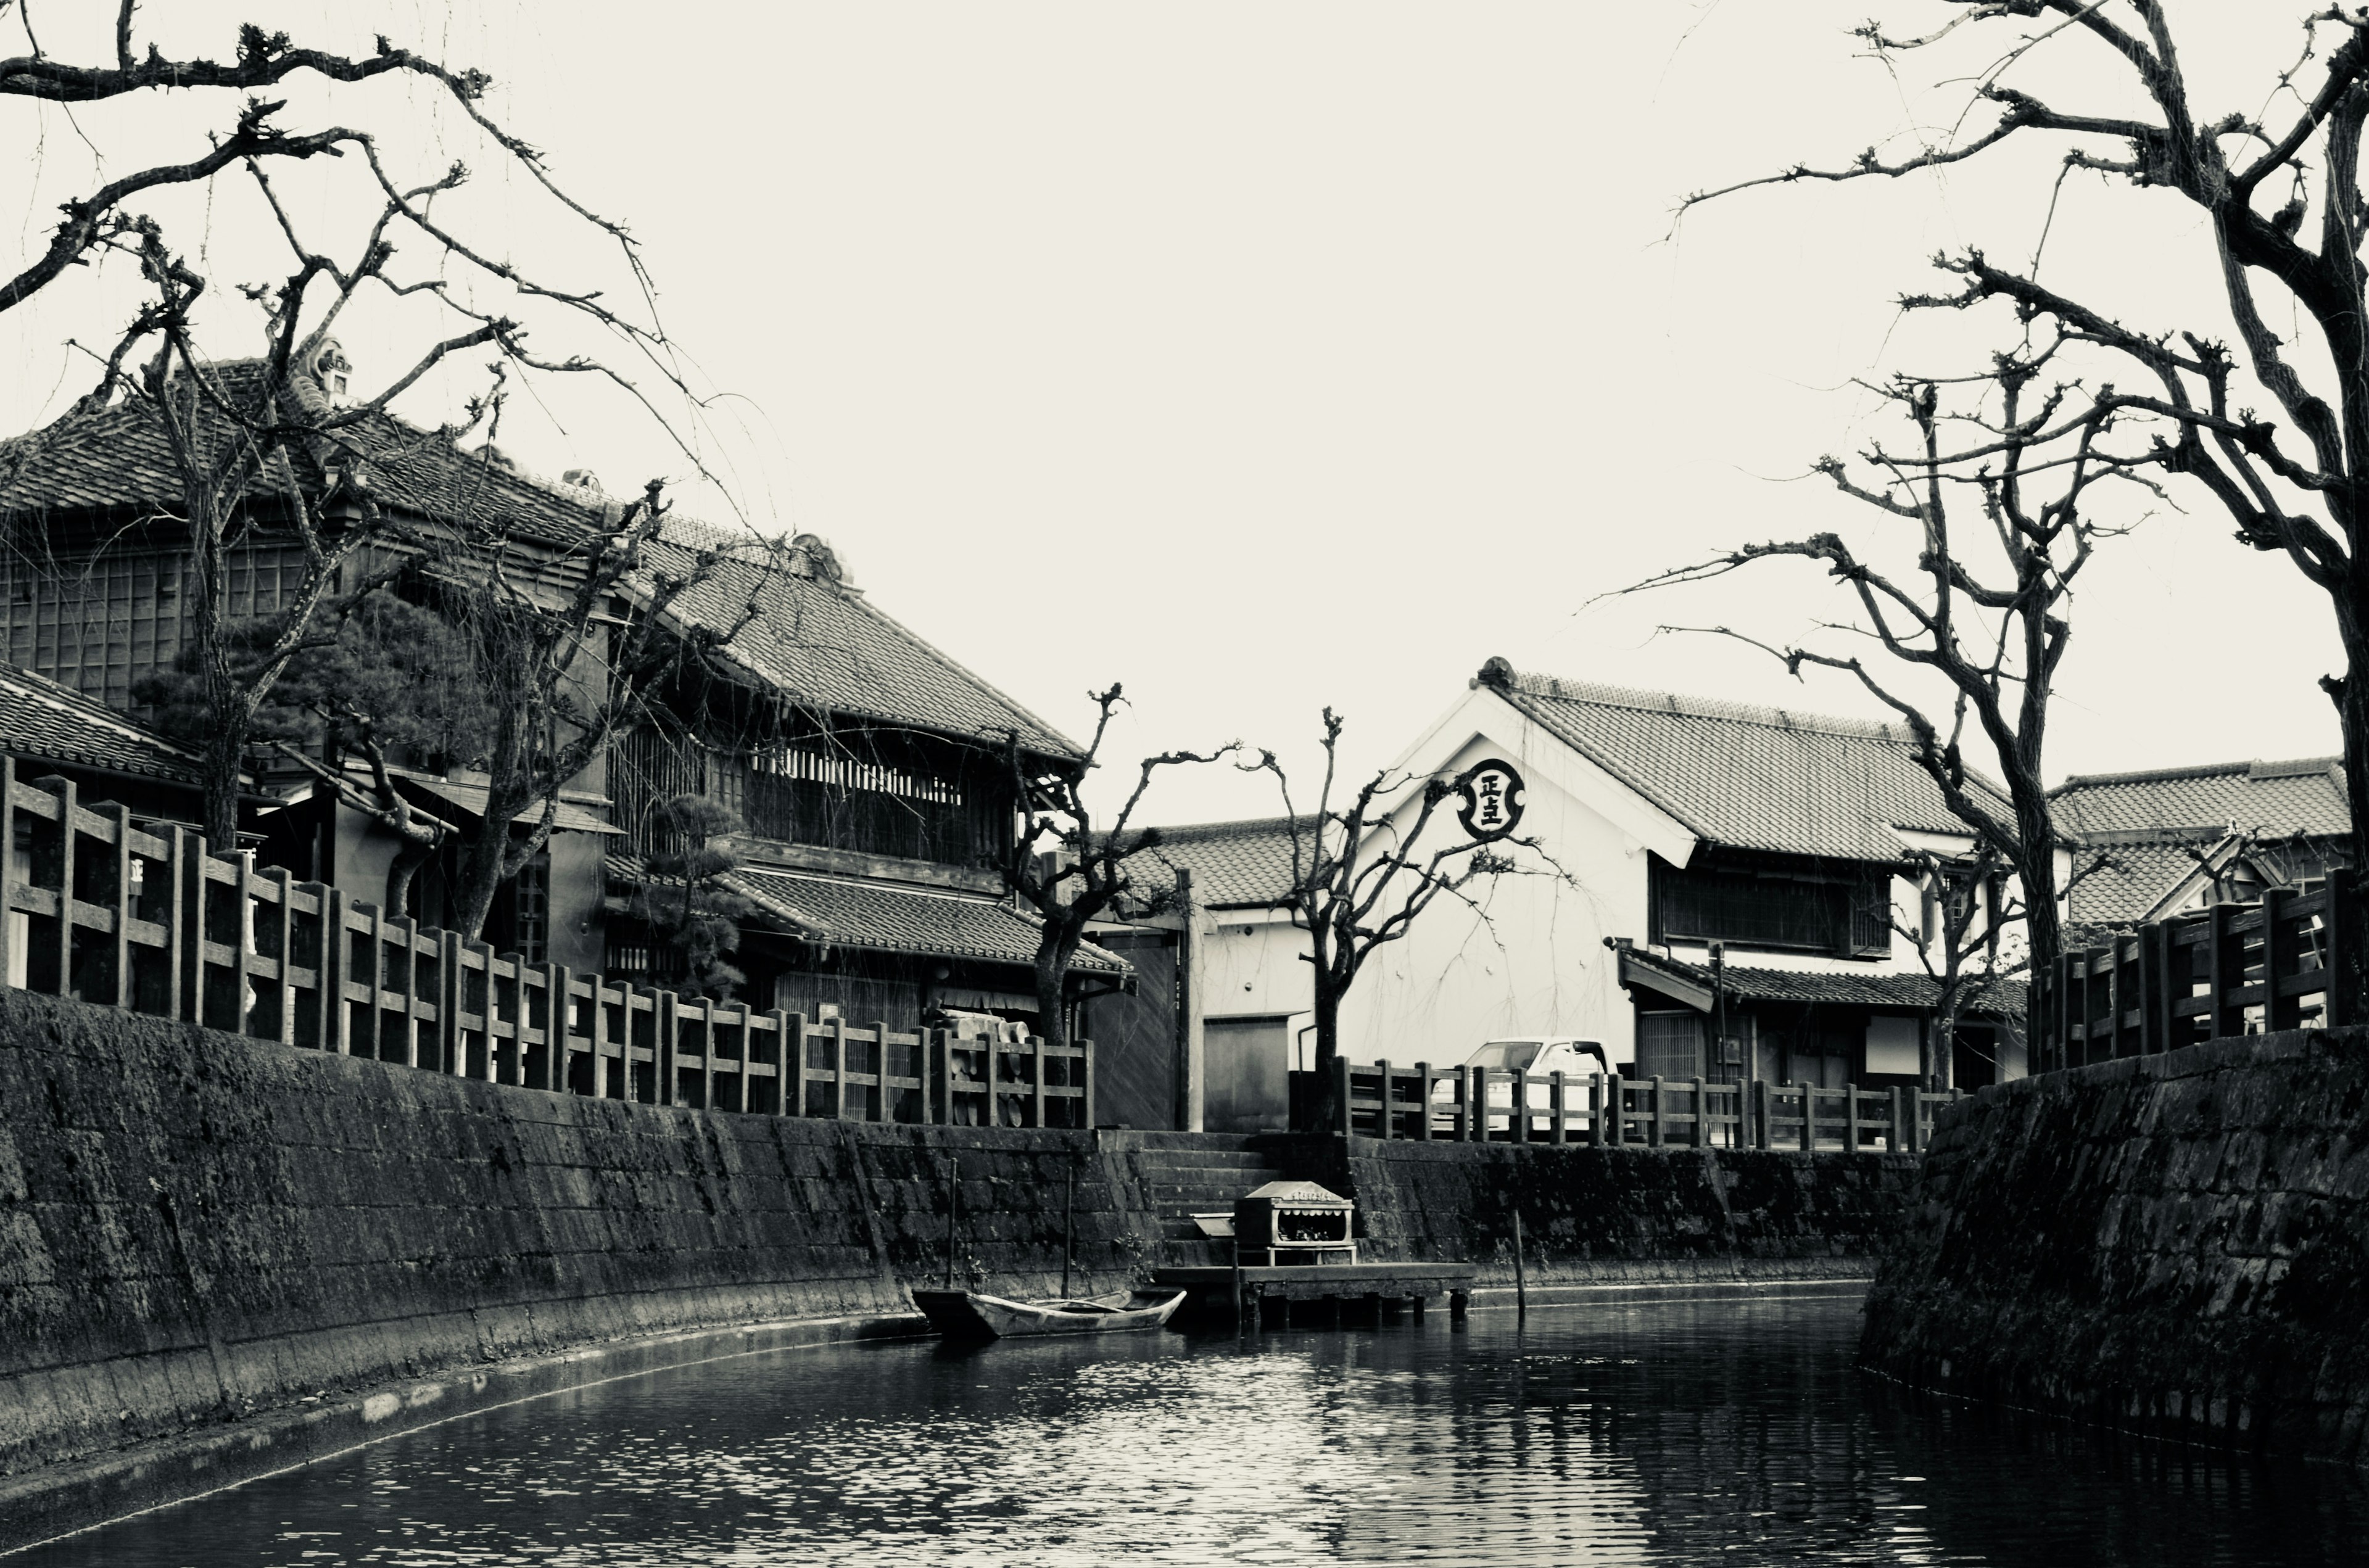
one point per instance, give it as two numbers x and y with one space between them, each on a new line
2352 697
399 872
1325 1103
225 749
1053 955
485 860
2041 924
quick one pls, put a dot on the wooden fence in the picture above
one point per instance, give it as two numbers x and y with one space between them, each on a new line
2231 970
154 922
1477 1103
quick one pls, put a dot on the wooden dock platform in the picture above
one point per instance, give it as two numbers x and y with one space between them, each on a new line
1322 1293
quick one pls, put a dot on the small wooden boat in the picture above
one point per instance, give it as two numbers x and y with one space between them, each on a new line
965 1314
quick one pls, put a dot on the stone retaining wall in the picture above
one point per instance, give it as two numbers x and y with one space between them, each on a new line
2176 1244
221 1256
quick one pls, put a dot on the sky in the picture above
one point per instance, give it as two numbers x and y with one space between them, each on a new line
1261 357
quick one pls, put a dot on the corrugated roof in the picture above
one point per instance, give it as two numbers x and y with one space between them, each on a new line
1240 865
41 719
872 916
2266 800
820 645
1995 997
1747 777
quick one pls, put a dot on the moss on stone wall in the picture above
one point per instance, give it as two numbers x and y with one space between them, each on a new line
2175 1244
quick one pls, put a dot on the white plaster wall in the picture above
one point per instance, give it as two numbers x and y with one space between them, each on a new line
1251 965
1532 960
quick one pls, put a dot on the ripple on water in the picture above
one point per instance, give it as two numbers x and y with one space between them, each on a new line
1663 1433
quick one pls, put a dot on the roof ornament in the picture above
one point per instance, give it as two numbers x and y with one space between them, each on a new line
821 562
329 369
1497 673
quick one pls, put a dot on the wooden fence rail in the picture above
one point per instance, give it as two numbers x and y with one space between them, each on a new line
1477 1103
95 908
2289 962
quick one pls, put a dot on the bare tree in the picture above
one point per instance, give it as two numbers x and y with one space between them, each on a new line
1959 942
1068 870
93 223
1362 875
1980 601
2280 201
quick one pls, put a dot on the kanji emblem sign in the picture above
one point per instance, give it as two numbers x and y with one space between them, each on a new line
1493 799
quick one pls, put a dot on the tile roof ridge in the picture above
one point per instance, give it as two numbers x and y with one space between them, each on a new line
1556 688
1168 831
2296 768
879 884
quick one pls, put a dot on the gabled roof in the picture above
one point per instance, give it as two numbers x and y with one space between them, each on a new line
2124 880
42 720
1747 777
817 643
2265 799
847 912
1237 866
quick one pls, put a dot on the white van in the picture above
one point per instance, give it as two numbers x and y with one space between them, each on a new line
1537 1055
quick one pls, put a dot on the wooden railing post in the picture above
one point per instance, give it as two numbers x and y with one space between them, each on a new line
2222 975
1344 1119
121 815
1518 1106
63 790
1036 1112
838 1073
1661 1129
2278 958
2344 956
1903 1136
1087 1102
667 1041
1595 1102
1760 1108
1555 1105
1422 1097
337 954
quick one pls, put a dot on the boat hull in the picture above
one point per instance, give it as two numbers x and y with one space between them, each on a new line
965 1314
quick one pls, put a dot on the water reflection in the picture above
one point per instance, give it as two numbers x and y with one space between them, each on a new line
1657 1433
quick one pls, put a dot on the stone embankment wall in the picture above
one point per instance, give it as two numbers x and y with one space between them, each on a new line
2175 1244
1602 1215
220 1256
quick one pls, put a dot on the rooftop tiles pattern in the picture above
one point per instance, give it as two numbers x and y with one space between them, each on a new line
872 916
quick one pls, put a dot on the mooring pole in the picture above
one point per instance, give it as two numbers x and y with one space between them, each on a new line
954 1207
1068 1229
1521 1286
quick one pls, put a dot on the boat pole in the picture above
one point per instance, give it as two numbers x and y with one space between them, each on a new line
1068 1229
1521 1287
954 1207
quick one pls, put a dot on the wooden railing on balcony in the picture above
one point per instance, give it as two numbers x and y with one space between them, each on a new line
2290 962
96 908
1477 1105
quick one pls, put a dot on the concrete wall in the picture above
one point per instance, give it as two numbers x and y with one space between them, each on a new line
1592 1216
2175 1244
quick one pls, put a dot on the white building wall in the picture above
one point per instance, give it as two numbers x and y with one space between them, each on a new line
1531 959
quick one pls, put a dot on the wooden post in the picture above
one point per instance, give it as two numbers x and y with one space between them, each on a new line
665 1025
2343 948
2220 975
122 815
337 956
786 1068
63 790
559 1032
1422 1086
1661 1129
451 987
1555 1103
1760 1113
1086 1104
1903 1136
1191 1034
1069 1228
283 921
1521 1283
1596 1104
1036 1089
1518 1106
1702 1118
839 1072
2278 958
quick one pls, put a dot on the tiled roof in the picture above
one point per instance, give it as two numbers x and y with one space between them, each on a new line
822 646
1747 777
40 719
2266 800
1236 865
846 913
1995 997
2136 874
117 458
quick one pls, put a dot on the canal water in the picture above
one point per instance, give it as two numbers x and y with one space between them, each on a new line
1701 1431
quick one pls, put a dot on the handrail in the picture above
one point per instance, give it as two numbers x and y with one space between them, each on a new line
114 915
1424 1103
